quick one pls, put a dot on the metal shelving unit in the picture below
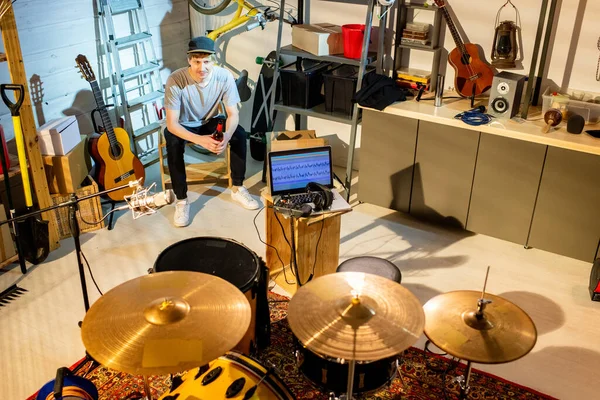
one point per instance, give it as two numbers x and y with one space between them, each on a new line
434 47
319 111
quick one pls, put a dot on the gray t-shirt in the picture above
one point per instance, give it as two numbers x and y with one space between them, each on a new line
197 104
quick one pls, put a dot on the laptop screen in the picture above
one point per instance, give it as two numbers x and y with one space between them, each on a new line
291 170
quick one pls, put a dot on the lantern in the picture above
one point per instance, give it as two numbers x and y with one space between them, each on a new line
505 49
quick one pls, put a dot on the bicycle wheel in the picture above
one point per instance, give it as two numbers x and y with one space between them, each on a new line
209 7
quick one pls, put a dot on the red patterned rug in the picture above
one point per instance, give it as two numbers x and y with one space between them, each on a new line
425 375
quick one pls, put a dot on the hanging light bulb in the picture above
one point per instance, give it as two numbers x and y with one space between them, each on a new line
505 49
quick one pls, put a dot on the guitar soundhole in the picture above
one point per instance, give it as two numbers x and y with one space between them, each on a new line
465 59
116 151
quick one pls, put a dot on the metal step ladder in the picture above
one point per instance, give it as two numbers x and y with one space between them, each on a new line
134 73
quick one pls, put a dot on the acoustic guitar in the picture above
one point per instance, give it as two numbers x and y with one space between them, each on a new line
116 164
473 75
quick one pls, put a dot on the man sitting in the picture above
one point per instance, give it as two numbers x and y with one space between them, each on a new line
192 98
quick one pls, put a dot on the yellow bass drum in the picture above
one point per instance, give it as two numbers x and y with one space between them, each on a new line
230 377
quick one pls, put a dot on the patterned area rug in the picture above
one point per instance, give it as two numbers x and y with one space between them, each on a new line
424 375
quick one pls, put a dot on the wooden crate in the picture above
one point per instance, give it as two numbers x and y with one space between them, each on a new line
89 210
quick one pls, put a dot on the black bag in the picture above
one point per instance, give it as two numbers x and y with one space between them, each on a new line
378 92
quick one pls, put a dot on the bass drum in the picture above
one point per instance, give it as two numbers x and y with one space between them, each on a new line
233 262
230 376
331 374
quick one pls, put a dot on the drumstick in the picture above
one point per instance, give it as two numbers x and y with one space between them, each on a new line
250 392
552 117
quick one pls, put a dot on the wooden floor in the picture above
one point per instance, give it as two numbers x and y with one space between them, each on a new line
39 332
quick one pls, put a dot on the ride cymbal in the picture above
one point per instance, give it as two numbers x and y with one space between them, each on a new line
165 322
503 333
355 316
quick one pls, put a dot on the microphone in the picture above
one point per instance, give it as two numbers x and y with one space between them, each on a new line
156 201
144 202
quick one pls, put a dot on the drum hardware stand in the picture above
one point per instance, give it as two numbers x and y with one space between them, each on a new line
75 230
147 389
463 380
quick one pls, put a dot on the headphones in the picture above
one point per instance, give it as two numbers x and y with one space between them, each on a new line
323 195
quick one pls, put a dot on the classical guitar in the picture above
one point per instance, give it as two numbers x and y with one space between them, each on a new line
116 164
473 75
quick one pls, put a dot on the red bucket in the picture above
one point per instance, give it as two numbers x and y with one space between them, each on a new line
353 35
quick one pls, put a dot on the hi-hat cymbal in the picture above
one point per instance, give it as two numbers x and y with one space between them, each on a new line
165 322
503 333
355 316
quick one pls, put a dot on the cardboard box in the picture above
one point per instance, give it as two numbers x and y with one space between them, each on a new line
7 246
319 39
288 140
58 137
65 173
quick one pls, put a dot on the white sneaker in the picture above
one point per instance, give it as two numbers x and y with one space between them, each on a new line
182 213
244 198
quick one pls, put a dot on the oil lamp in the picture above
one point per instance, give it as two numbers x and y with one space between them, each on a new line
505 49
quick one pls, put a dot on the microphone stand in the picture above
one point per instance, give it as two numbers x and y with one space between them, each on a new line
73 205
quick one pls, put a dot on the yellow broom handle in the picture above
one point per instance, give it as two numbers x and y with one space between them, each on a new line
22 160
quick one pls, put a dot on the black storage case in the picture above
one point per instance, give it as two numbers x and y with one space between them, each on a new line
340 86
302 87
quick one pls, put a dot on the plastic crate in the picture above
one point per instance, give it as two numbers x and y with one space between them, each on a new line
588 107
340 86
301 84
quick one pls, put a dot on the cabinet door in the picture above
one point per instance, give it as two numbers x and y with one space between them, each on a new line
445 162
507 178
387 155
567 213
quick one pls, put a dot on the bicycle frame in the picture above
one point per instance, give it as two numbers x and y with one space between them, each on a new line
237 20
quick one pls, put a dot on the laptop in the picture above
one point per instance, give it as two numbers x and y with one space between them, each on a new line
291 170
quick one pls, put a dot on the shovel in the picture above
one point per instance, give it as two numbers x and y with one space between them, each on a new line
10 201
33 231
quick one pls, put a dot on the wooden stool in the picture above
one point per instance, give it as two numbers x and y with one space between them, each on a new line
372 265
202 172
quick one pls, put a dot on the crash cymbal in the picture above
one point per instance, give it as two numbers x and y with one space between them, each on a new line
503 333
355 316
165 322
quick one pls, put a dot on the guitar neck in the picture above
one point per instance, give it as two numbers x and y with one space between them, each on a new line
104 114
455 35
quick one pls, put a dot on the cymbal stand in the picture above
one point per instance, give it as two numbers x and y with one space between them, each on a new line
463 382
147 389
73 204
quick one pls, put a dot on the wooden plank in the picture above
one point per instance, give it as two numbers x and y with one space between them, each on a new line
307 232
16 68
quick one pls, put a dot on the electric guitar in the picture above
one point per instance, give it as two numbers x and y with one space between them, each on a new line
473 75
116 164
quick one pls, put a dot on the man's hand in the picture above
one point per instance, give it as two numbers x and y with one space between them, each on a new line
211 144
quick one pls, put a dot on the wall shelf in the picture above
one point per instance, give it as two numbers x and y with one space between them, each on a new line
296 52
317 111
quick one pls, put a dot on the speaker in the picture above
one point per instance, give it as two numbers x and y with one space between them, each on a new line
595 281
505 95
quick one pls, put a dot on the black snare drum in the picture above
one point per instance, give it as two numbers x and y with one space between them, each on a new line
331 374
233 262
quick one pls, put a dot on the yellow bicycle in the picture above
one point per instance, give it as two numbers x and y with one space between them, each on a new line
260 14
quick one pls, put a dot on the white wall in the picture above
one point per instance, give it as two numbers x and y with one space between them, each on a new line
53 33
571 64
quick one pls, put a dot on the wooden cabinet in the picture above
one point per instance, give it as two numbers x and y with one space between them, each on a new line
566 219
507 176
443 175
387 158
